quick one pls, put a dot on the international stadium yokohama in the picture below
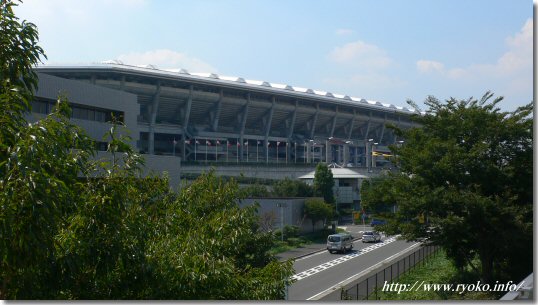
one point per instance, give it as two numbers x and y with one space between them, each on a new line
197 119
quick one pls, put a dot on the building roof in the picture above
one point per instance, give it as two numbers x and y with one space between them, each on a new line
239 81
338 173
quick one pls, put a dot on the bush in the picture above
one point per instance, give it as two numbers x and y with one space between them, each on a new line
291 188
291 231
294 241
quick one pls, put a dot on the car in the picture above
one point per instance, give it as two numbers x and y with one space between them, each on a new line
340 242
377 222
371 236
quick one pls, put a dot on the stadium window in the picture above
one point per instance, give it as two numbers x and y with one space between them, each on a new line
100 116
94 114
77 113
40 107
101 146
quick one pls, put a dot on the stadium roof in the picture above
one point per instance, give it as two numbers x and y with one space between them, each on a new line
243 83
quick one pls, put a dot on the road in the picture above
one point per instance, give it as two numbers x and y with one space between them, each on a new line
321 271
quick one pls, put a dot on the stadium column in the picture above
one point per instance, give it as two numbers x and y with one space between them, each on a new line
153 118
366 138
383 129
356 156
291 129
243 124
331 134
333 125
346 154
268 127
215 124
314 121
186 120
394 136
350 124
350 134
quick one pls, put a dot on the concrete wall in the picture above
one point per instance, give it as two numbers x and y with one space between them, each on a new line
50 87
292 212
262 171
155 165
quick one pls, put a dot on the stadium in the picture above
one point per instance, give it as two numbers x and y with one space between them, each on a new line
198 119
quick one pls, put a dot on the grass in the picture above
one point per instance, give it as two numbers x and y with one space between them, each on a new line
438 270
318 237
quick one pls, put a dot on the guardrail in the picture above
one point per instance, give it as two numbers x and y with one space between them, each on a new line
368 288
526 292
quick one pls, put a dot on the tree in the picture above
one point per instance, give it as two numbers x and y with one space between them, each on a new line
255 190
324 182
316 209
72 227
212 249
291 188
467 171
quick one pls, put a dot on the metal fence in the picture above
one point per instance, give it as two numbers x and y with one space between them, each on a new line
368 288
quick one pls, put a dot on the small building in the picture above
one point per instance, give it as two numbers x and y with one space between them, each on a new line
346 187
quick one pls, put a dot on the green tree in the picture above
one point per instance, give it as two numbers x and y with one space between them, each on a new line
467 171
255 190
316 209
324 182
72 227
291 188
212 249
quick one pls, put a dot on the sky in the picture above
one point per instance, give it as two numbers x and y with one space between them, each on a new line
383 50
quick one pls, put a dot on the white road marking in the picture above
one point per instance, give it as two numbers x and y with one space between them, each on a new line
362 273
327 265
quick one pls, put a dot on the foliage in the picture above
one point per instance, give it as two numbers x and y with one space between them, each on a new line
291 188
437 269
255 190
38 187
316 209
289 232
466 183
324 182
76 227
212 249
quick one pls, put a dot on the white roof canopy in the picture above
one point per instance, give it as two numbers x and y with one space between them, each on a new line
338 173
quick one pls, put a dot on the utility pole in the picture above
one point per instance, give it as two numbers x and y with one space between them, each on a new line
281 206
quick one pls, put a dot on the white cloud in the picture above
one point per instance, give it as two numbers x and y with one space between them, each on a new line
167 59
516 60
364 68
511 75
344 32
426 66
361 55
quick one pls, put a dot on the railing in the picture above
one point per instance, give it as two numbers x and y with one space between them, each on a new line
368 288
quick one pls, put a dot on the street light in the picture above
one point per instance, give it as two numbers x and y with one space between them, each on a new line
373 157
369 156
327 149
281 206
348 153
311 150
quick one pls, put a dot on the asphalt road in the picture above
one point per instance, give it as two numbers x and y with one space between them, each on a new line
322 270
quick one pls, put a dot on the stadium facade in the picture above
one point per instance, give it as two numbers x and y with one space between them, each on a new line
207 118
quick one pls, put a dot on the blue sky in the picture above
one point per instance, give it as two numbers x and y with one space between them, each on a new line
387 51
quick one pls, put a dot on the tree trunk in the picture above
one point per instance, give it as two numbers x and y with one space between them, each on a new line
486 261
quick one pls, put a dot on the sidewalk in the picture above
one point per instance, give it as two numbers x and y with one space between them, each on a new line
355 230
300 252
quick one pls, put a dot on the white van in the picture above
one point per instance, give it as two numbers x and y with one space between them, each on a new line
341 242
